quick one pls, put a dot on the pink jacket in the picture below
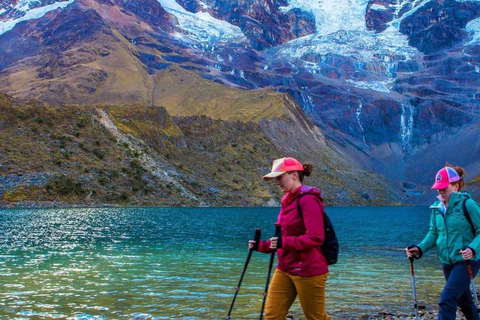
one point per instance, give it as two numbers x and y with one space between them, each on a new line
301 254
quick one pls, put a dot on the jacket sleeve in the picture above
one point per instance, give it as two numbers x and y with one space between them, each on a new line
430 239
264 246
474 212
312 212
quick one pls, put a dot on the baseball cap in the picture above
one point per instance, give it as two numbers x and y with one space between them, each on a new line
280 166
444 177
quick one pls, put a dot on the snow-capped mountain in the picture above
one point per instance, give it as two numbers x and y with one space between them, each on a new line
391 84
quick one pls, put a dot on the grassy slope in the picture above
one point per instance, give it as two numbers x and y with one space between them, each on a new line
103 69
89 166
184 93
219 163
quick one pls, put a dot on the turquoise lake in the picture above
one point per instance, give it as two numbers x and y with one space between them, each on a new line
184 263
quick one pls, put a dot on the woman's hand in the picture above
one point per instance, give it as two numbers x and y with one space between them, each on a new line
412 251
251 244
467 253
273 243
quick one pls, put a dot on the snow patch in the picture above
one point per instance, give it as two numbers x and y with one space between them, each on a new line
25 5
377 7
473 27
204 5
308 105
372 85
31 14
416 4
201 26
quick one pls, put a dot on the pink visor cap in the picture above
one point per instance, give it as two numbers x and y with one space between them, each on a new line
280 166
444 177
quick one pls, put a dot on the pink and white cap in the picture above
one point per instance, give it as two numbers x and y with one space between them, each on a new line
444 177
280 166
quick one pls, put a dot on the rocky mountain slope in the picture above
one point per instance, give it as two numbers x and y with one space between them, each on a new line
140 155
392 87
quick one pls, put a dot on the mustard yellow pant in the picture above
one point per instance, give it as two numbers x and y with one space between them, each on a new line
283 290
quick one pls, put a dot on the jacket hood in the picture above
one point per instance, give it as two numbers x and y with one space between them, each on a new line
310 190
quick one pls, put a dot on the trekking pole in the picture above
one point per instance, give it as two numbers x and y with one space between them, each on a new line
278 234
258 233
474 290
415 305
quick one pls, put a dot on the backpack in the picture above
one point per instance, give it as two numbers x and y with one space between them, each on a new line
330 245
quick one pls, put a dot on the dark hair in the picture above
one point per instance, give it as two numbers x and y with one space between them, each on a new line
307 170
461 172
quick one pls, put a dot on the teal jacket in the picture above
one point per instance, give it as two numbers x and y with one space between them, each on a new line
451 232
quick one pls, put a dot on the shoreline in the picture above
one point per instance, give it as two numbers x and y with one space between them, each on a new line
63 205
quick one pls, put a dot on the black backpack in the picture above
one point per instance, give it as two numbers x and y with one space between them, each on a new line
330 245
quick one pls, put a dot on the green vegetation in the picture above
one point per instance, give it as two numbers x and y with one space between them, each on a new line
141 156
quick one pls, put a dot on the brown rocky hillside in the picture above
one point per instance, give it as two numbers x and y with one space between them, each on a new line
139 155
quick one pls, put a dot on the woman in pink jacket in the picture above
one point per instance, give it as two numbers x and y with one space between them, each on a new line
302 269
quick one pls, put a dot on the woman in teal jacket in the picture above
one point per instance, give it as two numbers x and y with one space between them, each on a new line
457 241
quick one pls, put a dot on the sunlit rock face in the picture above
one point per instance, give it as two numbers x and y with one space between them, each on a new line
387 81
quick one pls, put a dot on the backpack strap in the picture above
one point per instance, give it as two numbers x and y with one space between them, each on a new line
299 209
467 215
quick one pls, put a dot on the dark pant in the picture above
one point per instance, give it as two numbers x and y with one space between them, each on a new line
457 292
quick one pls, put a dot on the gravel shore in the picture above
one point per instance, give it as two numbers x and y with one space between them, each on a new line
423 315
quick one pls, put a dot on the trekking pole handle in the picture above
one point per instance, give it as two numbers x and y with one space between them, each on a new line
258 234
411 265
278 234
469 269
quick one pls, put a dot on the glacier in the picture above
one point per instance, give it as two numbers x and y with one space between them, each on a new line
333 15
201 26
35 13
341 29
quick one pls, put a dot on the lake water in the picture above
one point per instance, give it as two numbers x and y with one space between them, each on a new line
184 263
